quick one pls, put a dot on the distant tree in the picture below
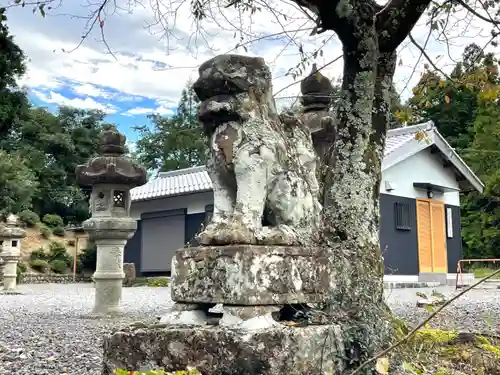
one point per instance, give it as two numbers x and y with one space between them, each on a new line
174 142
51 146
13 101
17 183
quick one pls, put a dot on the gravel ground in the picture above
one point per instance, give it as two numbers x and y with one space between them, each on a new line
44 331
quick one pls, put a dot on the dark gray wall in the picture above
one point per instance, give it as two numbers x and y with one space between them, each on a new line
132 252
399 247
454 244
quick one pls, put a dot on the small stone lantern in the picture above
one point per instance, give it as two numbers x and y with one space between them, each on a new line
111 175
10 245
317 97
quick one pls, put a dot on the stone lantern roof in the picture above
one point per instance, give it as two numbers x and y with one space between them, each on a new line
316 91
10 228
112 166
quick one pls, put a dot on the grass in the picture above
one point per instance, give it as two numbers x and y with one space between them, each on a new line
442 352
481 272
151 281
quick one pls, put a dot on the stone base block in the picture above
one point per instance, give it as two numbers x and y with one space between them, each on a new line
252 275
220 351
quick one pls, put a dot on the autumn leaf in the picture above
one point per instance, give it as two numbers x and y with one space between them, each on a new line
291 324
419 136
382 366
441 84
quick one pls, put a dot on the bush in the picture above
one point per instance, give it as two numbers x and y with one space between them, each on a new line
29 217
89 257
45 231
39 265
38 254
79 265
57 251
21 268
58 266
58 231
53 220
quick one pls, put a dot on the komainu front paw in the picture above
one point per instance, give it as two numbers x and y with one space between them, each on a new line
234 232
281 235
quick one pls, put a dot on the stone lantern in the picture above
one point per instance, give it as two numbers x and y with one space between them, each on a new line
111 176
316 99
10 244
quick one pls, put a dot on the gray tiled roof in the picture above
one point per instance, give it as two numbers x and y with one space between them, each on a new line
196 179
182 181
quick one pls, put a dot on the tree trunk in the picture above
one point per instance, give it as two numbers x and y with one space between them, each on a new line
351 191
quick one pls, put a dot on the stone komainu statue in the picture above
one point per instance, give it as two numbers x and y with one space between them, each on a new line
258 161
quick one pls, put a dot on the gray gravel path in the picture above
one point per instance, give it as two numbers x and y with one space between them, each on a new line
44 331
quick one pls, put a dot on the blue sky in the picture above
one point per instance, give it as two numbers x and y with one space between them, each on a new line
150 66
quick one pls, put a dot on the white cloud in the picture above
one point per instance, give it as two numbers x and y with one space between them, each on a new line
90 69
161 110
91 90
87 103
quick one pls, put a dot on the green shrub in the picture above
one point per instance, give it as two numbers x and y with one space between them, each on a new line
38 254
88 257
29 217
58 266
39 265
53 220
21 268
79 265
58 231
57 251
45 231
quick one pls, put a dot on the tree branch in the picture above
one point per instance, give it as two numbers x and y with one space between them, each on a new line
395 21
422 51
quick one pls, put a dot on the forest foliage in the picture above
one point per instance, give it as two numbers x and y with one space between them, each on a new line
39 150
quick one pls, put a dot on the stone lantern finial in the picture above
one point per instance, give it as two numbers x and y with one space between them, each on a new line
111 176
316 91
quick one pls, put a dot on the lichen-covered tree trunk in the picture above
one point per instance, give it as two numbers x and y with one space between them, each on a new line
351 189
351 185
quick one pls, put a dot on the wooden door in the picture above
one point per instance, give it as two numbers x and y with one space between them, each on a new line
431 231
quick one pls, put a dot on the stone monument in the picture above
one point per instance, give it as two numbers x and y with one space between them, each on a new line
246 299
111 175
10 246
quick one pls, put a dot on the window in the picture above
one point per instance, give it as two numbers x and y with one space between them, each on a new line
14 243
119 198
402 216
449 222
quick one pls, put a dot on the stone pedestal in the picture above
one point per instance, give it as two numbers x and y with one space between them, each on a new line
111 176
10 242
277 350
109 274
249 275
